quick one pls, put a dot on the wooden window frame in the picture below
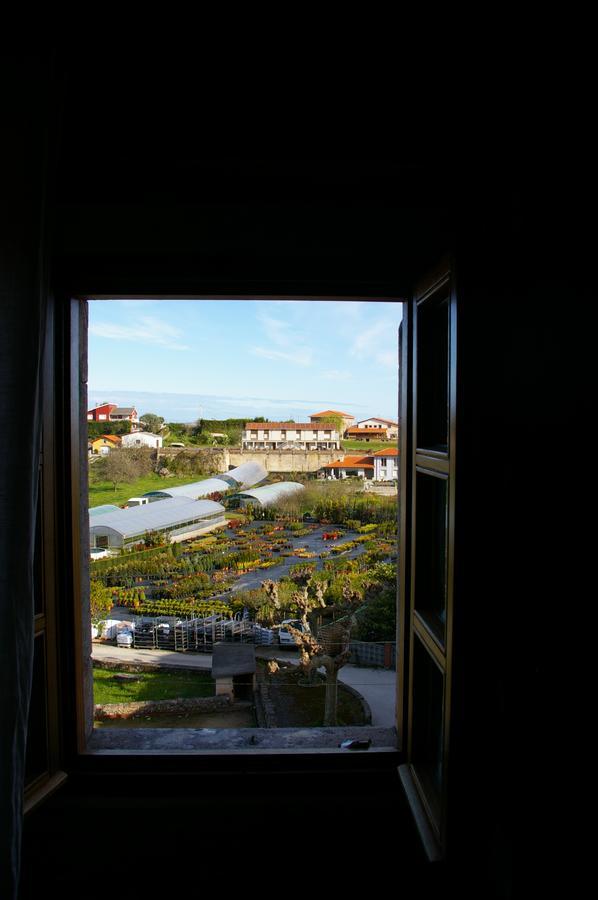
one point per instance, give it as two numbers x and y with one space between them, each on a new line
430 813
69 378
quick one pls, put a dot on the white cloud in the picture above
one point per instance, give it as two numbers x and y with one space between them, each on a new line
145 330
276 330
299 357
378 342
336 374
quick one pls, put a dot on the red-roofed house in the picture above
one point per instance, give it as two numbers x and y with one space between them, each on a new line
359 466
386 464
290 436
125 413
324 416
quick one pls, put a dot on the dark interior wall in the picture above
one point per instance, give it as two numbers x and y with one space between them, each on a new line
159 190
140 203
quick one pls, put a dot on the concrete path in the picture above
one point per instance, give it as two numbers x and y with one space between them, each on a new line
130 656
377 686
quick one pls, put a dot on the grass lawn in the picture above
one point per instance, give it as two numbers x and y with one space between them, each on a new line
367 447
103 491
151 686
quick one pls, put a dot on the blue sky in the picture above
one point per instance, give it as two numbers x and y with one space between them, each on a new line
186 359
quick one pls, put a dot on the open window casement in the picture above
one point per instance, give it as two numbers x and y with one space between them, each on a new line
427 501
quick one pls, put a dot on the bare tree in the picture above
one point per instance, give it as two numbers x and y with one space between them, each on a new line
121 466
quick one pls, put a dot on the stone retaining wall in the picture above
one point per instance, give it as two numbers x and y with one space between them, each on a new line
282 461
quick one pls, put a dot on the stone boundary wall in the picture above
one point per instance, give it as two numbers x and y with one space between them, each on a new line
282 461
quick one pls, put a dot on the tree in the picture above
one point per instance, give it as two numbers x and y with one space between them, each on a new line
121 466
151 422
330 650
338 423
100 599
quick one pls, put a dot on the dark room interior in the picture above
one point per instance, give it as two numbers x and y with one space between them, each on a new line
110 186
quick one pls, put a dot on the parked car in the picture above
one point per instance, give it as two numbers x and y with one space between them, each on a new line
285 637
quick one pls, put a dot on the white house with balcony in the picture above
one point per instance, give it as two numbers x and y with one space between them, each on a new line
386 464
392 428
290 436
141 439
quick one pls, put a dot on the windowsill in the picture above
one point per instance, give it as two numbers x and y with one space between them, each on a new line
236 741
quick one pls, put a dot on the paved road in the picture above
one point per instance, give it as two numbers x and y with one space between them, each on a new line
377 686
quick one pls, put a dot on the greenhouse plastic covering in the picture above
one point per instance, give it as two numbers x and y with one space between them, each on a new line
270 493
153 516
243 476
96 511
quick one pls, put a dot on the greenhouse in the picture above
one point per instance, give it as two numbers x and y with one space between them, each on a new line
177 517
266 495
96 511
243 476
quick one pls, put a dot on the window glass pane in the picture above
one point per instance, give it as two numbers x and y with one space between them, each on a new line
432 374
36 761
431 550
427 723
38 594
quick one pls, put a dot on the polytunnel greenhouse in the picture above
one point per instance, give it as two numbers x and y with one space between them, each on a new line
243 476
177 517
267 495
96 511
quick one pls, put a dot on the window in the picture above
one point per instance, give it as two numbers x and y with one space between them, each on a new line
101 739
428 373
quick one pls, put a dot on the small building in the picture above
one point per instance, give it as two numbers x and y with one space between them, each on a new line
125 413
386 464
348 419
178 518
142 439
234 670
291 436
366 434
267 495
100 413
392 428
102 445
356 466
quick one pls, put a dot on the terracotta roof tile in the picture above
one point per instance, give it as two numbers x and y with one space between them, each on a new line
371 432
351 462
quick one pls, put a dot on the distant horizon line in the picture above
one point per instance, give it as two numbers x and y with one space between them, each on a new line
265 407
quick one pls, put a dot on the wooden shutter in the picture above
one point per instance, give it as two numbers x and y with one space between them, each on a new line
428 451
